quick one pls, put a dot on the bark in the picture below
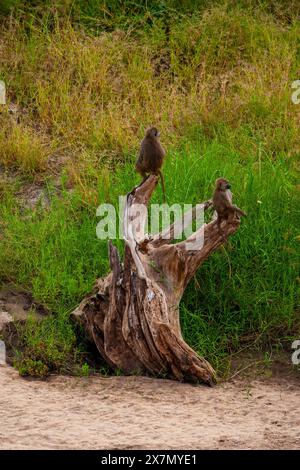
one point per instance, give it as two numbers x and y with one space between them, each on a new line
133 315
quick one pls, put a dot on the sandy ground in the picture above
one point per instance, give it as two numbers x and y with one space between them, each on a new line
144 413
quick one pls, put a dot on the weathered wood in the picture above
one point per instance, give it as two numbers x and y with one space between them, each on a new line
133 316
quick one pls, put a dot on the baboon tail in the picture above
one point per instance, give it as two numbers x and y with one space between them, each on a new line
240 212
163 184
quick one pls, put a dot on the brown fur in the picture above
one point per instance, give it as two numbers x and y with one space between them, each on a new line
151 156
222 203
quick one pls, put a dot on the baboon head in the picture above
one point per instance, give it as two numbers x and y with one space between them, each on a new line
152 132
222 184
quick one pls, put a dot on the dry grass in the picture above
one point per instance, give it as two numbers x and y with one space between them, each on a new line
224 73
23 148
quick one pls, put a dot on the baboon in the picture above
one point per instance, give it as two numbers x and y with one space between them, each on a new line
222 202
151 156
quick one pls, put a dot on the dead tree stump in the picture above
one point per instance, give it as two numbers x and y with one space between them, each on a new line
133 315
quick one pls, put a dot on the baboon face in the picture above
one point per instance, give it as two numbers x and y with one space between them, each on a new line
222 184
153 132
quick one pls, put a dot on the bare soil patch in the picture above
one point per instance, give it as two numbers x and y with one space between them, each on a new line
143 413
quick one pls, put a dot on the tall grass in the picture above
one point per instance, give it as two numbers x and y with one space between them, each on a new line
215 77
245 291
217 71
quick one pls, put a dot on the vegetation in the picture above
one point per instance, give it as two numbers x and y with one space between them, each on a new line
86 78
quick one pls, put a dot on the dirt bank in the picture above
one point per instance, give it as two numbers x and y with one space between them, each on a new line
144 413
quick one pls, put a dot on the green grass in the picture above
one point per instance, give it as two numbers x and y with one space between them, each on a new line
245 292
215 77
46 346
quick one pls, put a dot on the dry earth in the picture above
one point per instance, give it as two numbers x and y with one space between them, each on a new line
143 413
